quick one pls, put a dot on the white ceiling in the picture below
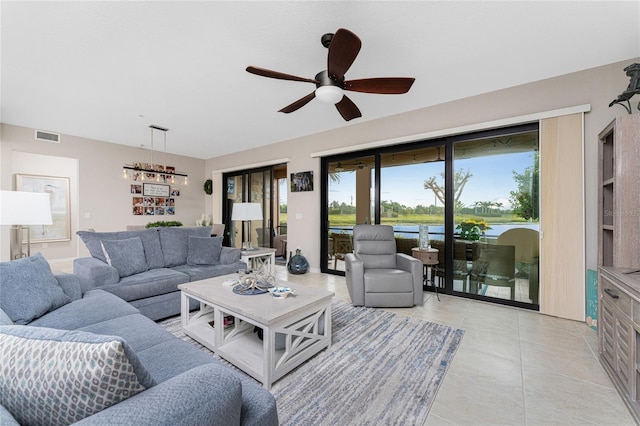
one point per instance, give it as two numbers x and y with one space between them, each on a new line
106 70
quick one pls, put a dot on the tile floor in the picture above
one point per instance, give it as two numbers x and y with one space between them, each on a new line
513 367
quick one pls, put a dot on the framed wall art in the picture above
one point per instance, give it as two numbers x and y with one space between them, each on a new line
156 190
301 181
58 190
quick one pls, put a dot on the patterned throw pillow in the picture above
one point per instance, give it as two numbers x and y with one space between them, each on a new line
127 256
57 377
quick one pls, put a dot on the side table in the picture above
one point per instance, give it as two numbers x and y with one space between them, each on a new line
261 257
429 258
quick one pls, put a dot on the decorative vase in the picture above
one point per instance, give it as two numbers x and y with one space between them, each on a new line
423 237
298 264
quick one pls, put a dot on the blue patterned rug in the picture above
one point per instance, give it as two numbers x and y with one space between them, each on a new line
382 368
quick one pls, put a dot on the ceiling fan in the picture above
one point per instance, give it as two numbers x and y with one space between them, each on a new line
330 84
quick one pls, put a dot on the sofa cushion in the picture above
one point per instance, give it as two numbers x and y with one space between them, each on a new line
29 289
94 307
147 284
204 250
56 377
202 272
175 242
71 285
138 331
150 241
230 255
127 256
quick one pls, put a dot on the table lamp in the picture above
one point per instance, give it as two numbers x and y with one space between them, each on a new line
19 209
246 212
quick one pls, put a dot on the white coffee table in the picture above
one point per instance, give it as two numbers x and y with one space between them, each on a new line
303 319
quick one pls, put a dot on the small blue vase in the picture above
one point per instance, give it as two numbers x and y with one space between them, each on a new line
298 264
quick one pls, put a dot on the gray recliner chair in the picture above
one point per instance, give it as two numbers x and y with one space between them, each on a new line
378 276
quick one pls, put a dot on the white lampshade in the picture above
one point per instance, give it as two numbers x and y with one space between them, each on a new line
329 94
246 211
25 208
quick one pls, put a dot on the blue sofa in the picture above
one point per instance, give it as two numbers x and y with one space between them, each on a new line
145 266
174 383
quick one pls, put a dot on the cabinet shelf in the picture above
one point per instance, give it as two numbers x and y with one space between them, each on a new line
619 250
618 193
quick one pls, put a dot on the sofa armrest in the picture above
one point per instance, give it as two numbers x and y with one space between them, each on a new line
230 255
416 268
209 394
354 277
94 273
71 285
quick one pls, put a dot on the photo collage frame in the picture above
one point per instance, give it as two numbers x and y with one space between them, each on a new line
155 197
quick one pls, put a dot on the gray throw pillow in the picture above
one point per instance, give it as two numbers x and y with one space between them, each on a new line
150 241
175 242
127 256
56 377
29 289
204 250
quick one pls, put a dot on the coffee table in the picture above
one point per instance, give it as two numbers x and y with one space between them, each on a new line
302 322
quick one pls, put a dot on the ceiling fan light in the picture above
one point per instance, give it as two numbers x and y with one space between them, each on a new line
329 94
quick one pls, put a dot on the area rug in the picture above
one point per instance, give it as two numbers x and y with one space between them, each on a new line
382 368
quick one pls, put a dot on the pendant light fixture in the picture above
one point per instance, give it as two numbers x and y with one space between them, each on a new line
159 170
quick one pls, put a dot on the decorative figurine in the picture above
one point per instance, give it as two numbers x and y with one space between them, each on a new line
633 71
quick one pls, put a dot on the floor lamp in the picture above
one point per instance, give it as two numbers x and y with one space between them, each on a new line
246 212
20 209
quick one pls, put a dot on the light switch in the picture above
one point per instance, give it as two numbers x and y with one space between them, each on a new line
298 216
87 215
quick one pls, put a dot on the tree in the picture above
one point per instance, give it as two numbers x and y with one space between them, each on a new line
525 199
460 179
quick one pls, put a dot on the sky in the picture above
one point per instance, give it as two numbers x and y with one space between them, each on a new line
492 180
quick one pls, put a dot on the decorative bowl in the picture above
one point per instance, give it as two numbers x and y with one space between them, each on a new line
281 292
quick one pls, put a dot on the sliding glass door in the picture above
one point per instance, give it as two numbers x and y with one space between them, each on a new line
496 247
349 201
476 193
262 186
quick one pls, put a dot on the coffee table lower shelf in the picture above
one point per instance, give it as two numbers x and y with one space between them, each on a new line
300 336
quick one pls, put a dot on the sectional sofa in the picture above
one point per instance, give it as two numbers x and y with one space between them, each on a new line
89 357
144 267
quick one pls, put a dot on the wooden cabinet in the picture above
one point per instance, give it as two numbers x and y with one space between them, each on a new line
619 257
619 332
619 193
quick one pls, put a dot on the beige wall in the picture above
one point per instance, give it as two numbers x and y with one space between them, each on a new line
100 197
104 195
596 87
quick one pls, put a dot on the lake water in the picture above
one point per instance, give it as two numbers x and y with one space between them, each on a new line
436 232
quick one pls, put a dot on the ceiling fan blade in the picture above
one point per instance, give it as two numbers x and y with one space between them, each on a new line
279 75
299 103
343 50
383 85
347 109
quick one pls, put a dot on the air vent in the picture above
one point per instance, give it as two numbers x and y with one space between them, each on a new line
47 136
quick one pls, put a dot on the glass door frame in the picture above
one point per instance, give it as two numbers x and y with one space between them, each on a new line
448 143
266 201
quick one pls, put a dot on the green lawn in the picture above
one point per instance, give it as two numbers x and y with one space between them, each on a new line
415 219
427 219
